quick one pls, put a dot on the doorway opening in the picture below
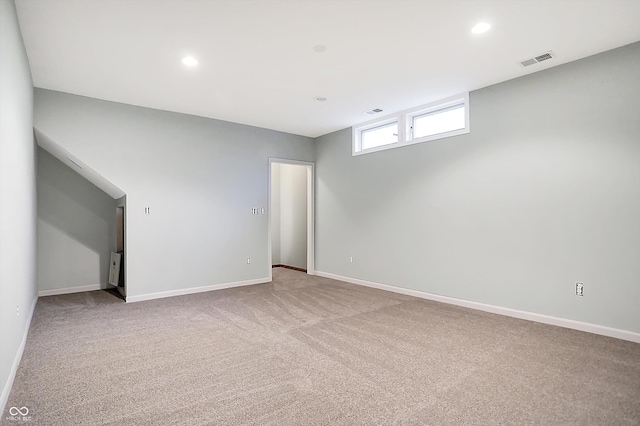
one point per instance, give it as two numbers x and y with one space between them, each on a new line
291 218
120 248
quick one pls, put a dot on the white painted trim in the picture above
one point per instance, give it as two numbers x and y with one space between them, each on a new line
269 244
311 173
69 290
185 291
16 361
515 313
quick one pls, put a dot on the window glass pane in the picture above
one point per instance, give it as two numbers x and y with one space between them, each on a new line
378 136
439 122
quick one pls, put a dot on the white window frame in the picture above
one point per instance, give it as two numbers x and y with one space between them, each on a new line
405 124
358 131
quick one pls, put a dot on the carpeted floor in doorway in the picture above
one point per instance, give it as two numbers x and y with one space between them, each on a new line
306 350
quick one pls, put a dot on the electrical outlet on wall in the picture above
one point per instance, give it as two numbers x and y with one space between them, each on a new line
579 289
248 260
351 259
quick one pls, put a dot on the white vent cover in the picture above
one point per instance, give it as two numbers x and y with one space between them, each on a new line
542 57
373 111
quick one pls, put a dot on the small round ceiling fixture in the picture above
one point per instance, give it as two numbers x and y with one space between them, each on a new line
190 61
480 28
319 48
320 98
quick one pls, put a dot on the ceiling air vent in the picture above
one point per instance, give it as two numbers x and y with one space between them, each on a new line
542 57
373 111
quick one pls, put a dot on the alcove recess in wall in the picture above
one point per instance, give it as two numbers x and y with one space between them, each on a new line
104 207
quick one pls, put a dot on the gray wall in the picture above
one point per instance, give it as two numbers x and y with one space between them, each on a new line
544 192
289 215
76 228
199 176
17 193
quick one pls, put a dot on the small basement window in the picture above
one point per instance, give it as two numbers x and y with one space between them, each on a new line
449 117
376 135
385 134
439 121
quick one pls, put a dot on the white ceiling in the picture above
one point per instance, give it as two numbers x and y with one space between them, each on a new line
257 63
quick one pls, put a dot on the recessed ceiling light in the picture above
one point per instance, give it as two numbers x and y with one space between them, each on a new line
481 28
320 98
190 61
320 48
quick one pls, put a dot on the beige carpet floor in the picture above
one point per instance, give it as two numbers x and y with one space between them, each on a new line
312 351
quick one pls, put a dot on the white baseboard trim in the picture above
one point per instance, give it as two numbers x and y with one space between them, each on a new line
182 292
16 361
68 290
531 316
